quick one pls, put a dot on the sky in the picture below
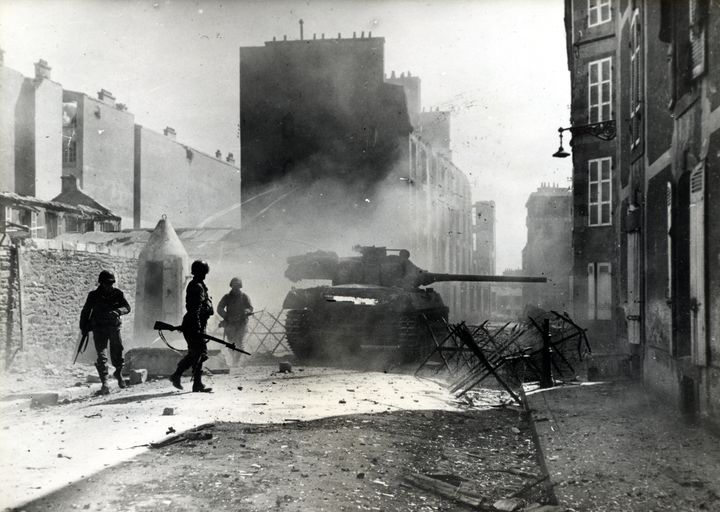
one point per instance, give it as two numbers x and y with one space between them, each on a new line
499 66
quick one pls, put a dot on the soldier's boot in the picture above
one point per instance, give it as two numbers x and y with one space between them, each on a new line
198 386
175 380
119 377
102 373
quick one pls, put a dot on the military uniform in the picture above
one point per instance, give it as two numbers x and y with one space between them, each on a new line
199 308
235 308
101 315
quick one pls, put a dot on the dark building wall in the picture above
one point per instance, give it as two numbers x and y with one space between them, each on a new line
591 239
319 108
412 87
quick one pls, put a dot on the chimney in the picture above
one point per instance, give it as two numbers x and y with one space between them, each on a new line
218 154
106 97
169 132
392 75
362 35
370 34
42 70
301 28
230 158
69 184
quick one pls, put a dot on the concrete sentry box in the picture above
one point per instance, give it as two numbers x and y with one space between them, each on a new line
160 283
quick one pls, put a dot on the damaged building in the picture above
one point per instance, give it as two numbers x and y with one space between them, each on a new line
646 139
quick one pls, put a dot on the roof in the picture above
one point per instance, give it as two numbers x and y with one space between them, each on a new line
30 202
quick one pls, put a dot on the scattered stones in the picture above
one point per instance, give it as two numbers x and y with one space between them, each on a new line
168 411
508 505
93 379
284 367
138 376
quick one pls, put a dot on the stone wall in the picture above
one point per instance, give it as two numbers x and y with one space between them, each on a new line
54 280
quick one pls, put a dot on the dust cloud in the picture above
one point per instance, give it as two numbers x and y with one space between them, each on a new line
291 217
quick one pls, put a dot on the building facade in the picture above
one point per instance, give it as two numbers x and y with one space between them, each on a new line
48 134
548 251
319 109
30 132
440 205
652 67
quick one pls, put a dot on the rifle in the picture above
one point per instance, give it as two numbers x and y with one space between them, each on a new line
223 323
162 326
82 345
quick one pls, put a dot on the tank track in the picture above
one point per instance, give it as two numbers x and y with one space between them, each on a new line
414 338
297 331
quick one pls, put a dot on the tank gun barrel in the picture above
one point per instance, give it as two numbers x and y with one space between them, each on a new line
426 278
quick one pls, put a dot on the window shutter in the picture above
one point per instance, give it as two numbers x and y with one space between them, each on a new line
591 291
697 265
697 39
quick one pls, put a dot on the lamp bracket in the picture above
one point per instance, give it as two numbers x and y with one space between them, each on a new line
604 130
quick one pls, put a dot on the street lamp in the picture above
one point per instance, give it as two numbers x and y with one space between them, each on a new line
604 130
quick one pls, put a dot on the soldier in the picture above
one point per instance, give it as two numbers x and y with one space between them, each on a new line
101 315
198 305
235 308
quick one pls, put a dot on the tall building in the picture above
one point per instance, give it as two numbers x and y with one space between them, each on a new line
319 108
483 255
548 251
439 206
646 232
30 132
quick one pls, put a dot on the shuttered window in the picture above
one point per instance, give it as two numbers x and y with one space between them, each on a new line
636 79
599 191
668 226
697 266
599 90
697 37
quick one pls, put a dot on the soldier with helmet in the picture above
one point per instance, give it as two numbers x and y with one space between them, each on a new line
199 308
235 308
101 315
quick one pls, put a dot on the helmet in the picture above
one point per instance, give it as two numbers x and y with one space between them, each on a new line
199 267
106 277
235 281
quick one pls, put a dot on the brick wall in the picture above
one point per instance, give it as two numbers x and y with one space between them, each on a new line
55 278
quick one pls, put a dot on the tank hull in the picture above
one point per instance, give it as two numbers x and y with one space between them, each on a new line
340 322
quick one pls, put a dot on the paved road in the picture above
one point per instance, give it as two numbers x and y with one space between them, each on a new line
42 450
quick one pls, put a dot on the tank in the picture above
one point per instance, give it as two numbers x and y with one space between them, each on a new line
377 301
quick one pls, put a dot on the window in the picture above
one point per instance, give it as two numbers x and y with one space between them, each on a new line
635 80
599 291
599 90
69 152
599 191
598 12
474 241
697 37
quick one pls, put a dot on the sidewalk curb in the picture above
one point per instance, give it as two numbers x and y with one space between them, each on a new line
548 484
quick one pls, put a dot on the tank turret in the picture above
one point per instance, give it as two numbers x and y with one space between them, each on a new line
375 302
376 267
